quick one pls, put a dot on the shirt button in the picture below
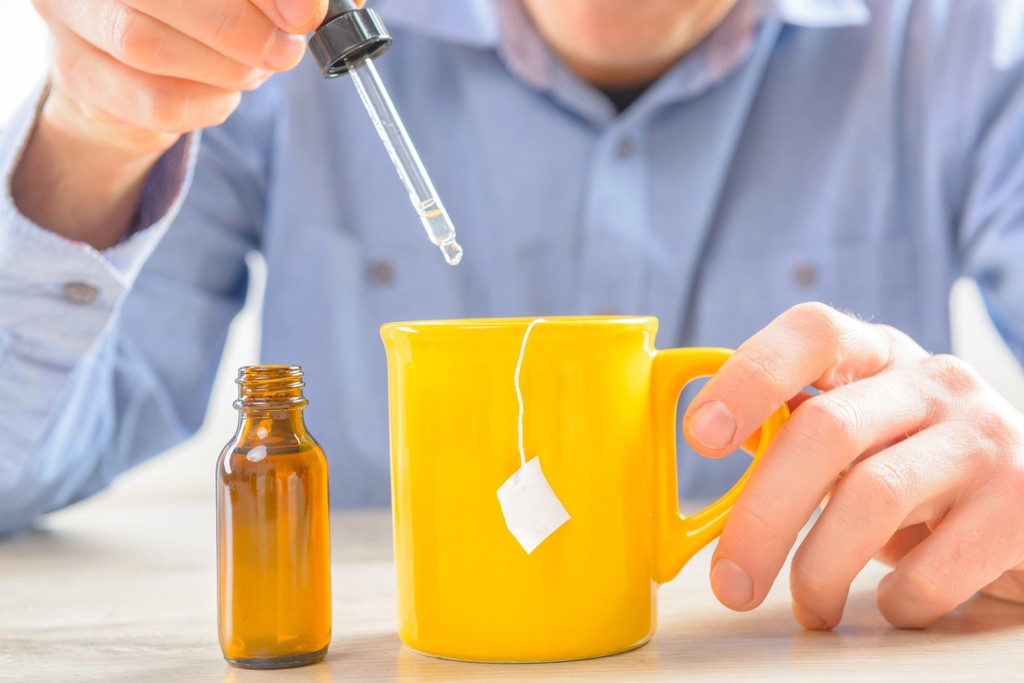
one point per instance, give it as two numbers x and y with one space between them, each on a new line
80 293
625 149
805 275
382 273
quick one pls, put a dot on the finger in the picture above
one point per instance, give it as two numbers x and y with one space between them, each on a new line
753 442
901 543
810 344
970 549
799 400
235 28
1009 586
289 16
821 438
150 46
154 103
295 16
896 488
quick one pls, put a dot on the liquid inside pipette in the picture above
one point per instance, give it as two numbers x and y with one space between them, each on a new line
406 160
439 228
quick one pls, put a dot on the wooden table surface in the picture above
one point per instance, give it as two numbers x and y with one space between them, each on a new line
122 588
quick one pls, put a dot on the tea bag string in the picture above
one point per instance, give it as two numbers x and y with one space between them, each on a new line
519 393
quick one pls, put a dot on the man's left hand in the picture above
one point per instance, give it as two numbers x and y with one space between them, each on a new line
920 461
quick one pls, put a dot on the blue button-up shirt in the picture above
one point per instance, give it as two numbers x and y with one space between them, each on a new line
865 154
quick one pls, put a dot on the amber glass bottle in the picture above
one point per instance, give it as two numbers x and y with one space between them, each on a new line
273 536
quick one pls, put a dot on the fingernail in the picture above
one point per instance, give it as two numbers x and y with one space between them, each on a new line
285 52
713 425
295 12
808 619
733 586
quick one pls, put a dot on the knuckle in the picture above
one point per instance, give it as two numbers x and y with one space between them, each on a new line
811 310
235 77
931 585
236 32
821 320
807 581
222 108
231 14
830 332
827 421
251 83
997 428
173 109
131 40
70 68
754 523
935 408
996 434
874 487
951 374
166 108
766 368
66 61
262 44
901 343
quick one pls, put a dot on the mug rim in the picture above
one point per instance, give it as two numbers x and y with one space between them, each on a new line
505 323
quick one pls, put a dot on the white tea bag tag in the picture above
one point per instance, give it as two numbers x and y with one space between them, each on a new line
532 510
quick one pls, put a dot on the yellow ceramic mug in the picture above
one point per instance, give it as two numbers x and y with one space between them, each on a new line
599 411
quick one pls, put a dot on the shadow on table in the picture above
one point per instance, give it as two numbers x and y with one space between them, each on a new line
45 543
740 644
31 535
772 635
736 646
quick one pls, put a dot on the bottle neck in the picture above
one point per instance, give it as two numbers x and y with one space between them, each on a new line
272 426
270 402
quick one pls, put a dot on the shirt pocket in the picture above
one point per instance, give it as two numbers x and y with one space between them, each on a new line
387 281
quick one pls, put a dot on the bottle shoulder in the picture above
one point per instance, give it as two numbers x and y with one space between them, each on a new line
251 458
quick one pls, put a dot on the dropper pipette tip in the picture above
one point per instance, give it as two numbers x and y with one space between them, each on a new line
452 252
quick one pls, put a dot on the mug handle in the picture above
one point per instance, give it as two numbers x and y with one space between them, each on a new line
678 538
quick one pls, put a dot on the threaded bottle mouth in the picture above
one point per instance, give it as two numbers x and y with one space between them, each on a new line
270 387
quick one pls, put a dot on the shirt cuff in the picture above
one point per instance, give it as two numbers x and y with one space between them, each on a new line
163 192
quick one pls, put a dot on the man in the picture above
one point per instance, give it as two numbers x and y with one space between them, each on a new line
714 162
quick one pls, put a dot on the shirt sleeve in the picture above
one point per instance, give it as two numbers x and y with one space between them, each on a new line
991 217
106 357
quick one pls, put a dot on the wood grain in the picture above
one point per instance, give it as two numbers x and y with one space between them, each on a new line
122 588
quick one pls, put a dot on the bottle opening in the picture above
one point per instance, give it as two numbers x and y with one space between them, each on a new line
270 387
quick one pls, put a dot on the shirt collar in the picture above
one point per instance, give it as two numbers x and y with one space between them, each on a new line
505 25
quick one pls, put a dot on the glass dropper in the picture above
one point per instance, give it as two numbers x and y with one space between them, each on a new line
350 36
407 162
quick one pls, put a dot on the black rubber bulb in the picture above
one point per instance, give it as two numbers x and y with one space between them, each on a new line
349 34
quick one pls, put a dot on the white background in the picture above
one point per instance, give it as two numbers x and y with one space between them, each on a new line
23 48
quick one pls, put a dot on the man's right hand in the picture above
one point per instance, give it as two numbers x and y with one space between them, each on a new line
128 78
